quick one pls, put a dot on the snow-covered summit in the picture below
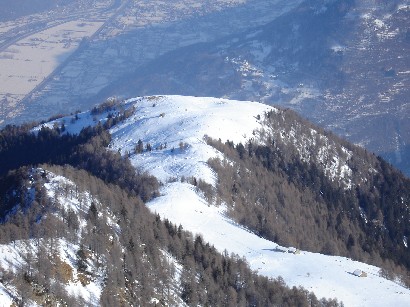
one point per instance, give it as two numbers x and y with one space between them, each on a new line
175 126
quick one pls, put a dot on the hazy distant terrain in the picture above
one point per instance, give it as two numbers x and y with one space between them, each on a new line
343 64
60 60
12 9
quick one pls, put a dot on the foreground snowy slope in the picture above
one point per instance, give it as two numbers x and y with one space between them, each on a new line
326 276
174 127
80 285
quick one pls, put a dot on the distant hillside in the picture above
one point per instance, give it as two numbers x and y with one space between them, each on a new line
341 63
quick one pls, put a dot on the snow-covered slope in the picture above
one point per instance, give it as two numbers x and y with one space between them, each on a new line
11 259
14 255
180 123
326 276
82 285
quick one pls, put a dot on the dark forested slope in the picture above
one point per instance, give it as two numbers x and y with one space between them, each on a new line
133 255
301 186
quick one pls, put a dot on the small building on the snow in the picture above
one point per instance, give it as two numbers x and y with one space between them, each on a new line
359 273
293 250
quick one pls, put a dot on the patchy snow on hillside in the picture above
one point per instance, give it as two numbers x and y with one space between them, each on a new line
74 123
12 258
12 255
174 120
86 284
314 147
5 296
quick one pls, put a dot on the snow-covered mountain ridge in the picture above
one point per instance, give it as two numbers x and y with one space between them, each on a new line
173 120
175 128
172 148
180 124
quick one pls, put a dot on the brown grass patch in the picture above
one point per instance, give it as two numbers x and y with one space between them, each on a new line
83 279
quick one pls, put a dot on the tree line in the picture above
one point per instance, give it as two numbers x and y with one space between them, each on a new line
86 150
131 262
271 190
